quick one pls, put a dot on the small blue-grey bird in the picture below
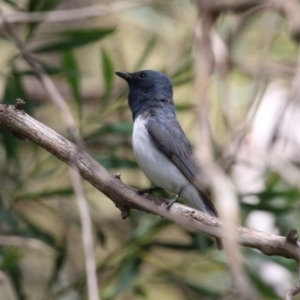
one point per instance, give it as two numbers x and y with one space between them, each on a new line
159 144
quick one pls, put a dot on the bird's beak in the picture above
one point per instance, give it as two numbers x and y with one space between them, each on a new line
124 75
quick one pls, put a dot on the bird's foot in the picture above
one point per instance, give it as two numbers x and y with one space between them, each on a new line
169 203
149 191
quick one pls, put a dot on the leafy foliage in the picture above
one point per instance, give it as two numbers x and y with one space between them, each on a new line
145 257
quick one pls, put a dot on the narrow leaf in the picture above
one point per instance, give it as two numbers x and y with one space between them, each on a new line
72 75
75 38
46 5
107 71
12 3
147 51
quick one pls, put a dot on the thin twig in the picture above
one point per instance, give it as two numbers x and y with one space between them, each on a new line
289 294
292 237
66 114
222 188
7 289
75 14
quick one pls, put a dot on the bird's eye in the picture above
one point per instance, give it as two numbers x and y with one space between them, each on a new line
143 75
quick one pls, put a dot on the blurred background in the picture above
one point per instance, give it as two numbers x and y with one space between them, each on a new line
254 118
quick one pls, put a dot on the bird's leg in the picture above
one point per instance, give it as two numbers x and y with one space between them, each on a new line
169 203
149 191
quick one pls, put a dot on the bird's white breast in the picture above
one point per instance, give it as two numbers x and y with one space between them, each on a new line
155 165
158 168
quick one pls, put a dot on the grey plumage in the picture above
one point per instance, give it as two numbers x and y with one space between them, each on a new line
159 144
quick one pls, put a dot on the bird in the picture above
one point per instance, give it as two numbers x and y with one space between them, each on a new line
160 146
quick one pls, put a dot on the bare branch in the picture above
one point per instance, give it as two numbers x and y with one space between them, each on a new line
217 7
222 188
18 122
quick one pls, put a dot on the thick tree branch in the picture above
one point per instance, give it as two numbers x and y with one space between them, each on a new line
22 125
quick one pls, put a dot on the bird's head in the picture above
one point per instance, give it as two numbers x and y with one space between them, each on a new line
147 80
146 89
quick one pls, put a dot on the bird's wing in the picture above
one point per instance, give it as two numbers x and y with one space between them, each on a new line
169 138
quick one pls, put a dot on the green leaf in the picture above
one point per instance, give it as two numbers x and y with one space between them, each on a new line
184 107
183 74
183 80
121 128
128 272
72 74
75 38
262 287
13 90
10 259
50 70
101 237
200 290
265 207
46 194
290 194
10 144
140 291
115 162
34 231
38 5
275 201
8 217
45 5
61 257
4 37
10 264
12 3
107 71
145 54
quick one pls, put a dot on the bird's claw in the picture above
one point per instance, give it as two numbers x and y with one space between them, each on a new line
169 203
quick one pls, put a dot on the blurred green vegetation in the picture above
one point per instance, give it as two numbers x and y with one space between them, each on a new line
144 257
